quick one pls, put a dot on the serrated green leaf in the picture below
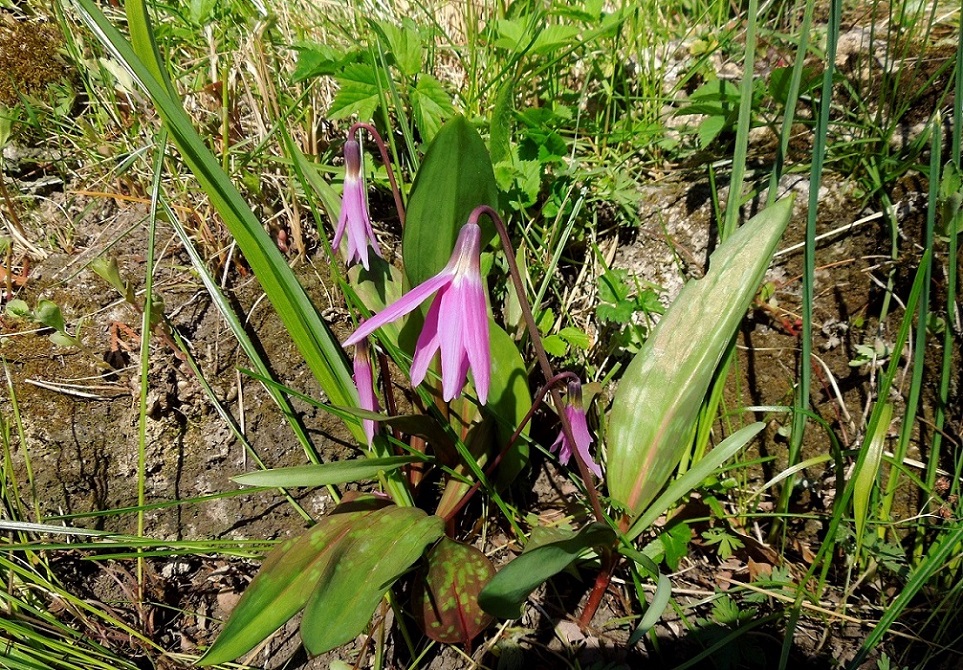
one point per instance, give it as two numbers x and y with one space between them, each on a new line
512 585
445 601
555 346
324 474
287 579
315 60
499 140
709 130
430 105
554 37
405 45
658 399
456 176
575 337
359 92
376 551
513 34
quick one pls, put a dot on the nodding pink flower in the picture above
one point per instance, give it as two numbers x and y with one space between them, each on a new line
583 439
364 381
354 220
456 323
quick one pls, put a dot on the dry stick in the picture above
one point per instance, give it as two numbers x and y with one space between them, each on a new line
543 361
353 130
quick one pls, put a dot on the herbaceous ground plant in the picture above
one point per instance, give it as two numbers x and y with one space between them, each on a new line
446 365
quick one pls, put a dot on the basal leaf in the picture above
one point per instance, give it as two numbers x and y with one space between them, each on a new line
371 556
286 580
445 602
455 177
509 589
324 474
658 399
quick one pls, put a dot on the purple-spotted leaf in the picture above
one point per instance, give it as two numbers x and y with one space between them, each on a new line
657 403
371 556
287 578
445 602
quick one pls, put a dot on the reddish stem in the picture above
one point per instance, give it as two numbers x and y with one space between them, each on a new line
540 350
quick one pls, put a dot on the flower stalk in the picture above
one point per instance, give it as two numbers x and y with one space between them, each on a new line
540 353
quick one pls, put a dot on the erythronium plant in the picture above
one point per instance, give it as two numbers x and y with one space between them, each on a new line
328 571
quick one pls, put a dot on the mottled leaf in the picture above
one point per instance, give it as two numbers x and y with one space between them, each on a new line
286 580
445 602
374 553
658 399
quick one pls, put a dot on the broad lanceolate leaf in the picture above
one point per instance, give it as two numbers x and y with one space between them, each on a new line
658 399
455 178
324 474
445 602
286 580
508 590
374 553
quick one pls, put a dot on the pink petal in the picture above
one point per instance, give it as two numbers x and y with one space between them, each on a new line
427 342
476 336
583 439
405 304
454 358
364 381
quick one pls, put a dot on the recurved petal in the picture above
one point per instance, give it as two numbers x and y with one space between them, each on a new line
405 304
583 438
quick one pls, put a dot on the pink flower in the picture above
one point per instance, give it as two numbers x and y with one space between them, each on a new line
364 381
456 324
583 439
354 219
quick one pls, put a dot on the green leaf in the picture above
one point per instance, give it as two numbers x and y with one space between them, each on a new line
405 45
553 37
315 60
445 601
513 34
18 309
286 580
577 338
694 476
499 140
456 176
324 474
555 346
865 477
509 589
375 552
48 313
430 105
359 92
658 400
709 130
